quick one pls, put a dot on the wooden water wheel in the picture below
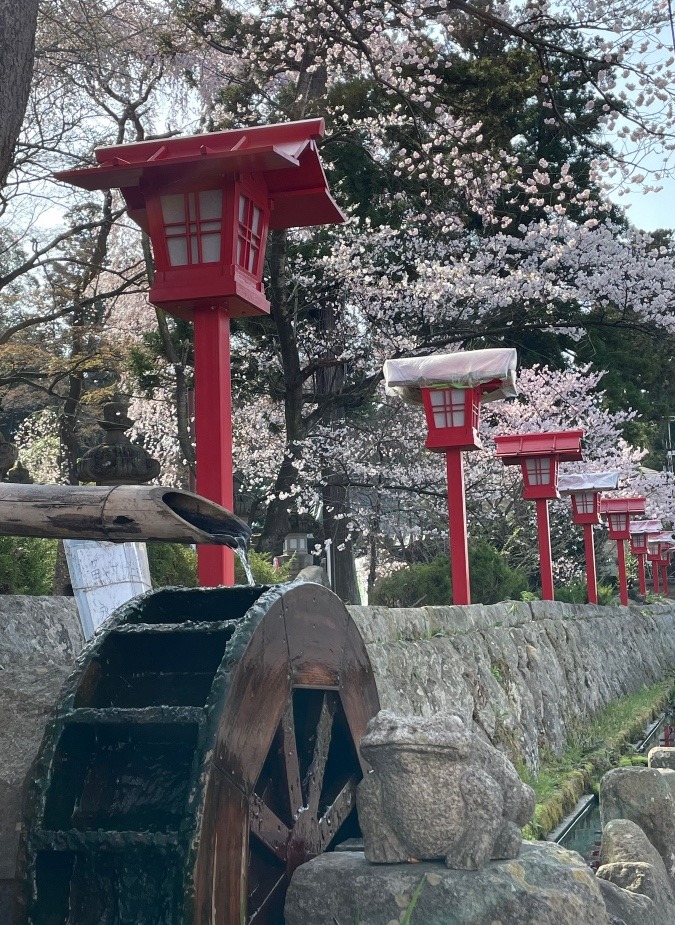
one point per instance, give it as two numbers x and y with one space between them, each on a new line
205 746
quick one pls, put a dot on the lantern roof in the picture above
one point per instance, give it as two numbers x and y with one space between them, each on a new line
495 369
285 155
646 526
622 505
665 537
565 445
588 481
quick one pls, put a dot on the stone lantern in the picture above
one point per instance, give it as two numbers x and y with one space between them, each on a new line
117 461
451 388
584 489
539 456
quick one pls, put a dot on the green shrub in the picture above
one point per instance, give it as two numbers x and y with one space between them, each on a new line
492 579
425 585
430 584
572 593
263 569
575 593
26 565
172 564
175 564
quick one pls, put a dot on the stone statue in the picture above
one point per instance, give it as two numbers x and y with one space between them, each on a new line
437 790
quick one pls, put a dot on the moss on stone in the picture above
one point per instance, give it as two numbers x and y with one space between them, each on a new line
591 751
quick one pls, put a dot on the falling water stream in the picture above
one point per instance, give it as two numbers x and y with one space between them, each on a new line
241 551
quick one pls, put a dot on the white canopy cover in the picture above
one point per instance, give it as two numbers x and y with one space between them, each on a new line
462 370
588 481
646 526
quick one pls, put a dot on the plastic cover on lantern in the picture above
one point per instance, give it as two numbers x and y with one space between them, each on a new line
587 481
646 526
665 537
462 370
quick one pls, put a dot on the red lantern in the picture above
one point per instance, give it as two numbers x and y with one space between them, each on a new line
453 416
451 387
586 507
584 490
640 531
638 544
539 456
208 202
618 511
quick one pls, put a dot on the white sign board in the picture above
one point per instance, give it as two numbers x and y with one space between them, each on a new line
104 576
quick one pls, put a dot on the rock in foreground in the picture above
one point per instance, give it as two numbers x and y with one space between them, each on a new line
546 885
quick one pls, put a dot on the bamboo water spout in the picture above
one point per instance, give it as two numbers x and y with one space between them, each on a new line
118 514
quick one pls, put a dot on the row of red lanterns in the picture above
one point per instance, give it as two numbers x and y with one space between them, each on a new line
451 388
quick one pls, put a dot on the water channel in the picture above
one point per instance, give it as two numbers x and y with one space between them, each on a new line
582 831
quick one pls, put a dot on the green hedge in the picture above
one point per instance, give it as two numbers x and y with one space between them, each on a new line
26 565
430 584
174 564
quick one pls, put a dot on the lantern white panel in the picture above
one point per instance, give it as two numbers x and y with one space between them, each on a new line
178 254
211 205
465 369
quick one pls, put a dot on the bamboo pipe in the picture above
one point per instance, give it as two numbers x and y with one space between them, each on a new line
118 514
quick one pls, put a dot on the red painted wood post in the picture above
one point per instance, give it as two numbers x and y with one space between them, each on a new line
545 558
655 577
664 580
641 574
591 579
623 583
459 549
213 432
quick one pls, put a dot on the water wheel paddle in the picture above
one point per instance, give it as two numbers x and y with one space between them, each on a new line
205 746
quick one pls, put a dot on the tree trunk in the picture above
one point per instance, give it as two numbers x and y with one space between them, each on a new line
335 520
18 19
277 522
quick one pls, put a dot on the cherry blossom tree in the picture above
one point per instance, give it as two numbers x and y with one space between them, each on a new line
473 221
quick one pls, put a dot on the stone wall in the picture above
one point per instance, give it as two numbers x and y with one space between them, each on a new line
526 673
39 640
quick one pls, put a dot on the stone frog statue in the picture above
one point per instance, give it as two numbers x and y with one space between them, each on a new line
437 790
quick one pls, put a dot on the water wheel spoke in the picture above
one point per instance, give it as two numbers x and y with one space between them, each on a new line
291 760
266 907
268 828
336 814
317 768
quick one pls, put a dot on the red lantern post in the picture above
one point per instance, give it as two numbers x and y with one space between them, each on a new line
640 531
665 550
539 456
451 388
659 548
208 203
618 512
584 490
